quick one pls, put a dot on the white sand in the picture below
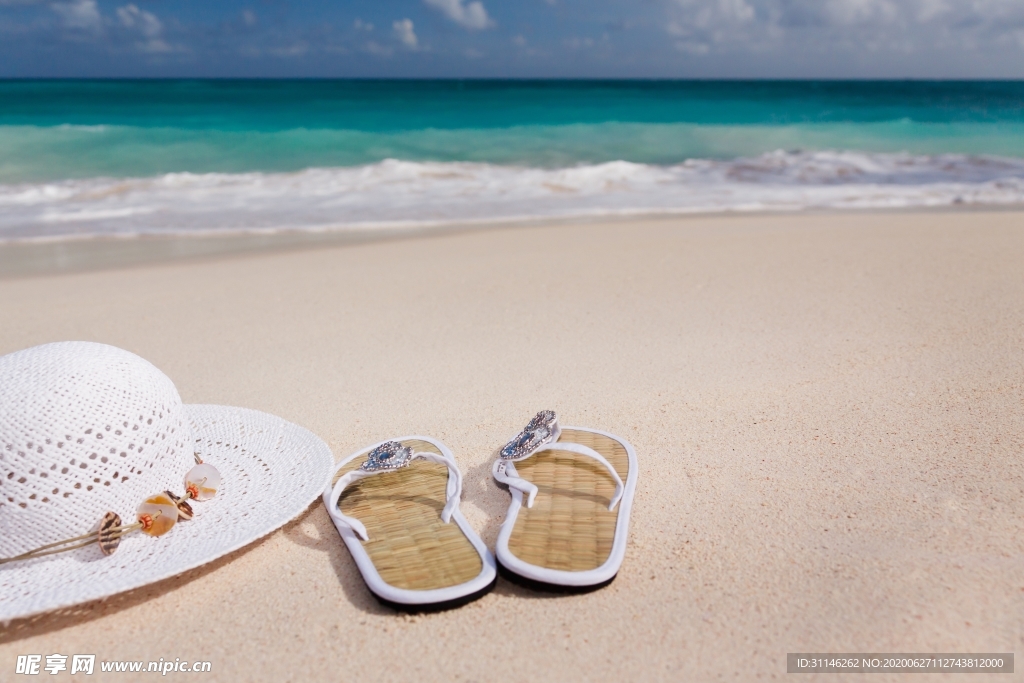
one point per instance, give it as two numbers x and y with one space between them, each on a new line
828 412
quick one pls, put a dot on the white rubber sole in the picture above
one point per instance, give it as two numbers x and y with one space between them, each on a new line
417 600
560 579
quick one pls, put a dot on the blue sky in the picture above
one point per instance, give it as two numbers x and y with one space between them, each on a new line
514 38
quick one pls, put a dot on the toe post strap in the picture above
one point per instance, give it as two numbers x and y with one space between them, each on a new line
540 435
505 472
388 457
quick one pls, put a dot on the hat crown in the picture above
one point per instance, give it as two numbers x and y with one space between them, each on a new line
84 428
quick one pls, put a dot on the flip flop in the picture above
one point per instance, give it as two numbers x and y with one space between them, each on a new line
394 510
570 536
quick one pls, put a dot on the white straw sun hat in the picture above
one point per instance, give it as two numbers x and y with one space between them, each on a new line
88 428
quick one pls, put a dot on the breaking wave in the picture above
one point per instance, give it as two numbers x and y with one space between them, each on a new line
394 193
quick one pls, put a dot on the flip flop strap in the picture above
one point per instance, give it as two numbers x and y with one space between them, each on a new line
453 491
505 471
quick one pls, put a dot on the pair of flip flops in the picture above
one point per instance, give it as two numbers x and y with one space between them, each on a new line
396 506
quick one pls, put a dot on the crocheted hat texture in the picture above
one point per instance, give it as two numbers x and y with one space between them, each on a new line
84 428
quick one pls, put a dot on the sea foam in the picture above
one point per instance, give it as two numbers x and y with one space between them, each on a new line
396 193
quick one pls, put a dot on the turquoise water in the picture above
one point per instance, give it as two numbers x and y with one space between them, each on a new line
83 158
52 130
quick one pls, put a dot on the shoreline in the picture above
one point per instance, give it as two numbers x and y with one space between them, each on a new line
48 256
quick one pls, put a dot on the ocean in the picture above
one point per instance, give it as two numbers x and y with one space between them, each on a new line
99 158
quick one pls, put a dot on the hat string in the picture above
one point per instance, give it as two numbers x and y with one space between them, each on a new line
155 516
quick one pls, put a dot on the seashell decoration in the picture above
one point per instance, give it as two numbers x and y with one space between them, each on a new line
202 481
184 509
157 514
109 534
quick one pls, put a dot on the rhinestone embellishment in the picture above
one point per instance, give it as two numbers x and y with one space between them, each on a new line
540 431
390 455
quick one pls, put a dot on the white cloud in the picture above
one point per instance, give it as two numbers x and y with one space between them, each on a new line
404 32
738 10
707 24
930 9
1009 11
471 15
249 17
147 26
361 25
862 11
690 40
712 13
79 14
831 28
519 40
144 22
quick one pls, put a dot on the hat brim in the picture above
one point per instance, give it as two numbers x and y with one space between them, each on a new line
271 471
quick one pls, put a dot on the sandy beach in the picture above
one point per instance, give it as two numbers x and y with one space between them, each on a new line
828 411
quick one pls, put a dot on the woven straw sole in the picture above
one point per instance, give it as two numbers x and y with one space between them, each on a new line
410 546
569 527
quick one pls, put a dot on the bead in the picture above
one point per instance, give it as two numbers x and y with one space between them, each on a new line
109 535
184 509
157 514
206 480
